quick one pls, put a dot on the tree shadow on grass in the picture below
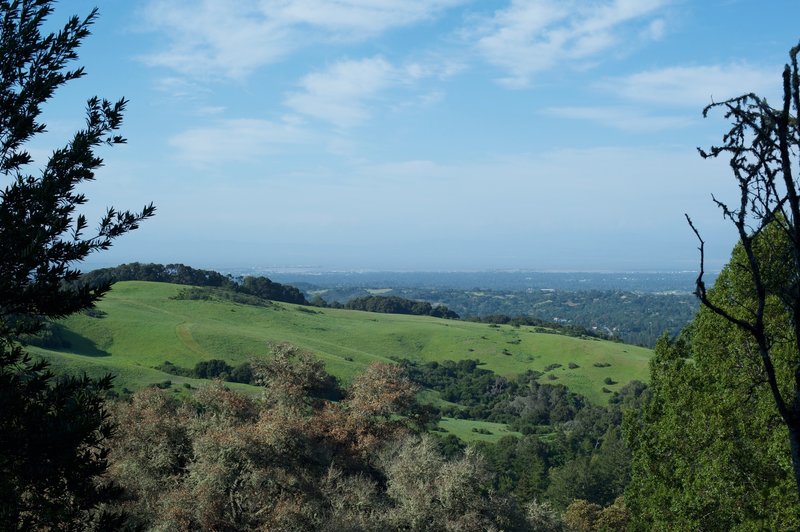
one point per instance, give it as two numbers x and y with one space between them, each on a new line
80 345
58 338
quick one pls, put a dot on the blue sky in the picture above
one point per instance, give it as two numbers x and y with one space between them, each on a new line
421 135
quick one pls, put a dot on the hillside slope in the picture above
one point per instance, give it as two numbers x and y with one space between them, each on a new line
141 326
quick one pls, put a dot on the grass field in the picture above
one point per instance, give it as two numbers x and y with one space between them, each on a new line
143 327
467 429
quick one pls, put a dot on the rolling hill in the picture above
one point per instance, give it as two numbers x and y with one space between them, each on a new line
140 325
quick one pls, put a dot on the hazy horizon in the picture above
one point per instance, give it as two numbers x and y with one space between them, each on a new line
422 135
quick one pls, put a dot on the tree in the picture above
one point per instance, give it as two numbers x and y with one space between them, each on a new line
763 144
52 431
709 448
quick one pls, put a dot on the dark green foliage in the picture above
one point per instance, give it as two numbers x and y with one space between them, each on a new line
541 404
762 149
172 369
599 477
399 305
631 396
524 403
259 287
461 382
710 449
171 273
450 445
264 288
204 293
521 465
212 369
41 237
571 449
242 373
53 445
53 431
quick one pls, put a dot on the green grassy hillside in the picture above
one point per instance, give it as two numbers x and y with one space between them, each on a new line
143 327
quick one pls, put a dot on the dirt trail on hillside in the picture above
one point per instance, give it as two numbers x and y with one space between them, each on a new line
185 336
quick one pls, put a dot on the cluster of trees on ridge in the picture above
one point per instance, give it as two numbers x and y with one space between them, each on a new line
399 305
716 444
181 274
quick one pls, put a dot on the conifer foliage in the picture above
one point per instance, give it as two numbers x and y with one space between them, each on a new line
762 147
52 431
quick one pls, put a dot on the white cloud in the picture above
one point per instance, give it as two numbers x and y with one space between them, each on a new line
530 37
695 86
343 93
340 93
209 38
181 88
238 140
624 118
655 30
364 17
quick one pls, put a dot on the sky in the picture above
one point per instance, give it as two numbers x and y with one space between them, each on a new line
420 134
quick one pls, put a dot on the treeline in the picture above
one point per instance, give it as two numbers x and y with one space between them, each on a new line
399 305
181 274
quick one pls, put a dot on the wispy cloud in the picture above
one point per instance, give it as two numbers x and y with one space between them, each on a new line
340 93
623 118
208 38
238 140
530 37
694 86
181 88
344 93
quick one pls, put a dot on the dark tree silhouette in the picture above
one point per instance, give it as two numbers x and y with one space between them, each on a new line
52 430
